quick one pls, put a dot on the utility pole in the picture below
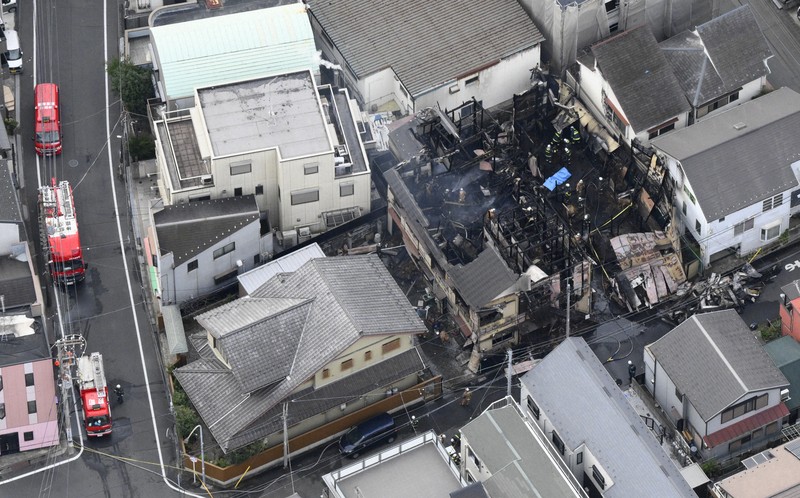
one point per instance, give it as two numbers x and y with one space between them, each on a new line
68 348
285 435
508 372
569 291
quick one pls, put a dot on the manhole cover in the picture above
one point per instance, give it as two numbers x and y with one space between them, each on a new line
73 163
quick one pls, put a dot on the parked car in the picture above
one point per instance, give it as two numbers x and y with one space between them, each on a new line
368 434
13 53
9 6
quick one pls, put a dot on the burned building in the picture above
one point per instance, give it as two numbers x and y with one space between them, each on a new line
494 242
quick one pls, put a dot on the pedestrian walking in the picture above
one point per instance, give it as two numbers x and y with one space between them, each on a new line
631 371
466 397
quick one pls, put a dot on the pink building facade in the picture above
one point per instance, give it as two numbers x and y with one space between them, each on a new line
28 407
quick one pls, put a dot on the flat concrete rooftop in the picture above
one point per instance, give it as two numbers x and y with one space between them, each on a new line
421 472
279 111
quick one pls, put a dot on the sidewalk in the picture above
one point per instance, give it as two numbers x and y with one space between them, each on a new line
18 463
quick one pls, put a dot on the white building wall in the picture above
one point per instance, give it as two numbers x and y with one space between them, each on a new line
179 284
748 92
9 235
495 84
774 399
263 172
382 87
718 235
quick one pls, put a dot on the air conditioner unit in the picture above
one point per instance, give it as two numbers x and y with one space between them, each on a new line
207 180
785 395
303 234
289 238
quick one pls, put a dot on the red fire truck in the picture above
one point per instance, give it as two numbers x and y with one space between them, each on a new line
60 233
94 395
47 137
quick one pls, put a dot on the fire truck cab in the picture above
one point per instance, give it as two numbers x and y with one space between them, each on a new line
47 139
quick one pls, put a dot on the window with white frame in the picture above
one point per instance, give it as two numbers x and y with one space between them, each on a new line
241 167
772 202
769 232
744 226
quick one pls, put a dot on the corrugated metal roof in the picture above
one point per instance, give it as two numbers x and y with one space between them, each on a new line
749 424
426 43
173 328
585 406
234 47
289 263
714 360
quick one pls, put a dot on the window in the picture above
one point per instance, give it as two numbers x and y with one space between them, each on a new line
473 457
579 458
534 409
27 436
259 190
598 477
684 208
390 346
347 365
367 355
698 227
746 406
744 226
31 407
237 192
29 379
769 232
558 443
739 443
721 219
661 131
192 265
2 411
472 81
304 196
241 167
227 248
310 168
256 259
223 277
758 433
346 189
326 373
1 382
772 203
678 394
771 428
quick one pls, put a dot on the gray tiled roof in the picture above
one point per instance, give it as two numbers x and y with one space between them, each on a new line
718 158
426 45
719 57
336 301
714 359
16 283
241 313
641 78
520 463
585 406
213 393
188 229
483 278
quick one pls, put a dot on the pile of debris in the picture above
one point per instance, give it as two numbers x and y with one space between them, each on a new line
719 292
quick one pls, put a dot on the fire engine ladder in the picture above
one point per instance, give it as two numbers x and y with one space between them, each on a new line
99 376
66 200
48 204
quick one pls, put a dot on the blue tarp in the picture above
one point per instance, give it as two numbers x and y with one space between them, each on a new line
557 179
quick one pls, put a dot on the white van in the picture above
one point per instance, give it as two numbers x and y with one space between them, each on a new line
13 53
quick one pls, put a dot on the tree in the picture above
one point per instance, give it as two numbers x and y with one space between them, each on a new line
131 83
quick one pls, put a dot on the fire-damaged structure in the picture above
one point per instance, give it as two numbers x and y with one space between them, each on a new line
494 242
